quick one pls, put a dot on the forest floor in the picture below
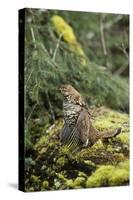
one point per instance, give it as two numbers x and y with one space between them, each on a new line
50 166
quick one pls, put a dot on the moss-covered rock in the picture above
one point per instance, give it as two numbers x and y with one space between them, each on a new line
106 163
109 175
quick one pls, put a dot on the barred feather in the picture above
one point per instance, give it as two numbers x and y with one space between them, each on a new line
69 138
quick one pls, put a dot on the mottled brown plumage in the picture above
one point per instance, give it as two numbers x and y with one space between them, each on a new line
78 130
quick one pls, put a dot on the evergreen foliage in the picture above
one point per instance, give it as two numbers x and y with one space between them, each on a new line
50 62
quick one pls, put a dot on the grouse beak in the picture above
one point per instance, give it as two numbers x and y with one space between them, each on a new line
60 89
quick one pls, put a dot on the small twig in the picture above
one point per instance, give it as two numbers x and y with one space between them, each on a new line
38 36
33 37
53 63
57 46
111 22
121 69
50 128
105 53
28 79
123 49
50 106
31 112
103 37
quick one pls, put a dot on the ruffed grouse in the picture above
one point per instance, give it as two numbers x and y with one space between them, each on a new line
78 130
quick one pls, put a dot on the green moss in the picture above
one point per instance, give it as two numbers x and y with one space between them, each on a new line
43 140
125 165
46 139
90 163
45 185
55 128
103 164
97 145
109 175
119 157
119 177
107 119
61 176
31 189
111 120
81 174
102 124
121 174
61 161
57 183
70 183
35 178
79 181
124 138
100 177
63 150
76 183
110 148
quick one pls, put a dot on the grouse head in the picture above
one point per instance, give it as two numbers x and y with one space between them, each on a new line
71 94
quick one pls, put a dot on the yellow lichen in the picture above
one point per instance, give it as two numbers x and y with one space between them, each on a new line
65 31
